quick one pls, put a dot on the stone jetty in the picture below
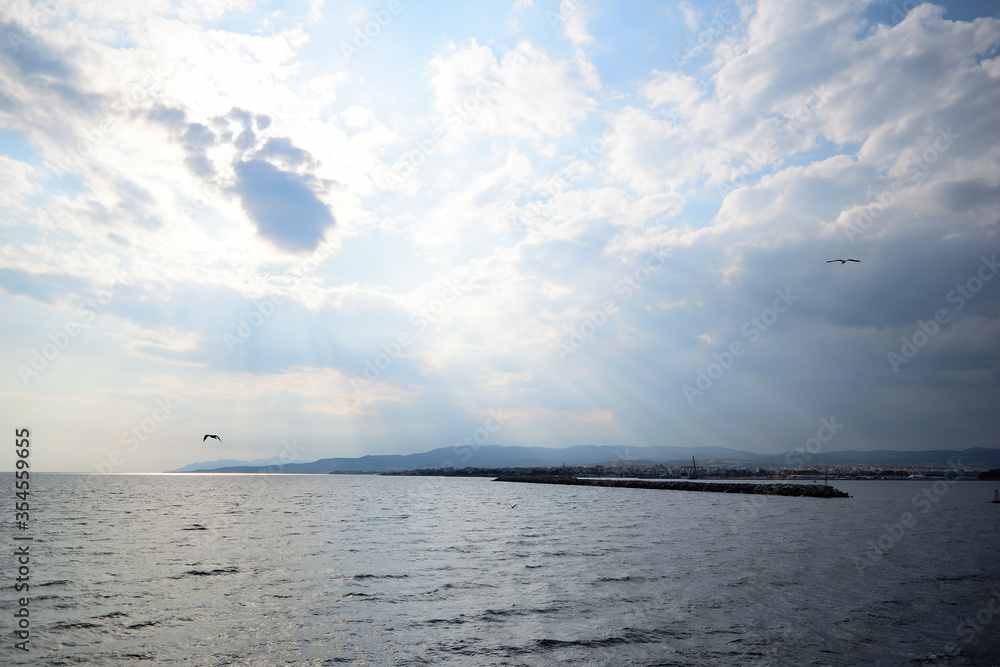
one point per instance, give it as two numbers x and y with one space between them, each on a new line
806 490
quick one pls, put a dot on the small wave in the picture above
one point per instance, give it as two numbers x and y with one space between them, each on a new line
134 656
629 636
446 621
958 577
380 576
195 526
81 625
497 614
57 582
465 585
208 573
141 624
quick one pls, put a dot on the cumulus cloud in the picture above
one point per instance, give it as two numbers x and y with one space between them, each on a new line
575 15
524 93
672 88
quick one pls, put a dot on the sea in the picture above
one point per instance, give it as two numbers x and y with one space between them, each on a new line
224 569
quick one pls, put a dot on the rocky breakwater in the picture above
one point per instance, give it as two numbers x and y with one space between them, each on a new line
806 490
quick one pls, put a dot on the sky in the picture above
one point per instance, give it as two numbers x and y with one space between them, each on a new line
337 229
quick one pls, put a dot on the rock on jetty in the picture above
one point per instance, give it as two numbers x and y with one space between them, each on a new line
808 490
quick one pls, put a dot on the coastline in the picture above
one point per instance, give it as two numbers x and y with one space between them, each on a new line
800 490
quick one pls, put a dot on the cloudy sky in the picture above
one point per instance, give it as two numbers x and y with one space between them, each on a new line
337 229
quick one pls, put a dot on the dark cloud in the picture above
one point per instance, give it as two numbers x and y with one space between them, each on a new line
281 202
169 116
30 56
200 165
197 140
194 137
30 59
963 195
241 115
282 149
197 136
245 140
282 205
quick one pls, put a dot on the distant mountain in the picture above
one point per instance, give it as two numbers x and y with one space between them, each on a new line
227 463
496 456
491 456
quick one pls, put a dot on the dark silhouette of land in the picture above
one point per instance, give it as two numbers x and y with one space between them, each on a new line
806 490
660 460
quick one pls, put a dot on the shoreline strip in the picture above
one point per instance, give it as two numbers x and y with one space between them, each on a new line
800 490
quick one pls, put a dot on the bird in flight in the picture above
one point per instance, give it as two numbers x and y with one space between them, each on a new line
843 261
512 506
211 436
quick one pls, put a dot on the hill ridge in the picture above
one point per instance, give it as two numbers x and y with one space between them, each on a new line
535 456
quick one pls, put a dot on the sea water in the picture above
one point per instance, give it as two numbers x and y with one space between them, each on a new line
376 570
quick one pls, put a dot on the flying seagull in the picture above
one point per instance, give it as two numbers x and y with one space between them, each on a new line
211 436
843 261
512 506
